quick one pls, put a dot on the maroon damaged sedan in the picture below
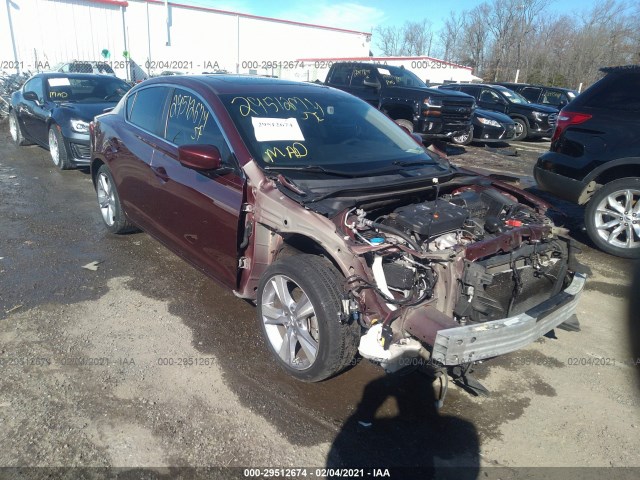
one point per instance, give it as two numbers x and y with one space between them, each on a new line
346 233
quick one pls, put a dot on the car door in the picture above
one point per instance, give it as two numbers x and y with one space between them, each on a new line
133 149
34 113
198 212
368 93
491 100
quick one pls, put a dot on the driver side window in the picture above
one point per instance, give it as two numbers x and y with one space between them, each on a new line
191 122
360 74
35 85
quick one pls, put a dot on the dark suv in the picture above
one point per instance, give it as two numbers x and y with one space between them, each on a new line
405 98
595 160
532 120
553 96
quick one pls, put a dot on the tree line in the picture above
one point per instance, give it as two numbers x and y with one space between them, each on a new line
499 37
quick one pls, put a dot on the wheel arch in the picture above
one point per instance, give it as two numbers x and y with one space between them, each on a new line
608 172
297 243
520 117
399 112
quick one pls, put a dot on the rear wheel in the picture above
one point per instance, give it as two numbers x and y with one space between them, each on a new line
612 218
522 131
14 129
109 202
299 299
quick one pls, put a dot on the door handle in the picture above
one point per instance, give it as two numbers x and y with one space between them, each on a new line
161 173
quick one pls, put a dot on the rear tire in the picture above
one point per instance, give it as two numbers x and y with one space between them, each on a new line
522 130
299 299
610 216
109 203
15 130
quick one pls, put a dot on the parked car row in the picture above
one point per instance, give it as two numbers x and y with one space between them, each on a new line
594 160
531 120
346 232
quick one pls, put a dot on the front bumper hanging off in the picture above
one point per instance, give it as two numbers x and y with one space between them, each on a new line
459 345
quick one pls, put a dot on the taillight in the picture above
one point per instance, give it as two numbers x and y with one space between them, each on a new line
568 118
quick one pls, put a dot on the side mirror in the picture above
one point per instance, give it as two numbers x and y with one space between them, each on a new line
375 83
200 157
30 96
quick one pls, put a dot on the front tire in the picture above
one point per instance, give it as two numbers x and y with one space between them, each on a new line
406 124
299 299
109 202
522 130
58 149
464 139
612 218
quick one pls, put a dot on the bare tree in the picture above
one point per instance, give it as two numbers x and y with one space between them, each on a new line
389 39
417 38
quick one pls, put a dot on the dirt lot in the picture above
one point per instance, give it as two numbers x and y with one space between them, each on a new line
145 362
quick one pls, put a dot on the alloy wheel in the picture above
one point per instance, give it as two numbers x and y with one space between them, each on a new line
290 322
54 147
617 218
106 199
13 128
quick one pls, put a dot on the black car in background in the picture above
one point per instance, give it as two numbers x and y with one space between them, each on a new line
532 120
54 110
553 96
488 127
594 160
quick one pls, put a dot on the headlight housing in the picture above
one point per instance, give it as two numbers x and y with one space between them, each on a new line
487 121
79 126
539 116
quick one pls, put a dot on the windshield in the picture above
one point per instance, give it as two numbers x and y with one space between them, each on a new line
323 128
86 90
513 97
399 77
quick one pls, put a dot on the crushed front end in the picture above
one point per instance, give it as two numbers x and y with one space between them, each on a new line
462 274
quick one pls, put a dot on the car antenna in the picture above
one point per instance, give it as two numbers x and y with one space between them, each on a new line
436 182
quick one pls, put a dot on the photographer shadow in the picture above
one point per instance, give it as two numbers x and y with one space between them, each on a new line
396 426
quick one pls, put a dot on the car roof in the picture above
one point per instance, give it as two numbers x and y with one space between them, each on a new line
535 85
72 75
222 84
621 68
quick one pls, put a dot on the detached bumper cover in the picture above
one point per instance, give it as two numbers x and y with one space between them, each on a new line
454 346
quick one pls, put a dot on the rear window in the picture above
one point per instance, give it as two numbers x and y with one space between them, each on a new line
616 92
147 108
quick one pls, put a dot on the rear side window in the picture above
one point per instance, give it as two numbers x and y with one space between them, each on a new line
191 122
553 97
341 74
146 111
530 93
619 92
470 90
